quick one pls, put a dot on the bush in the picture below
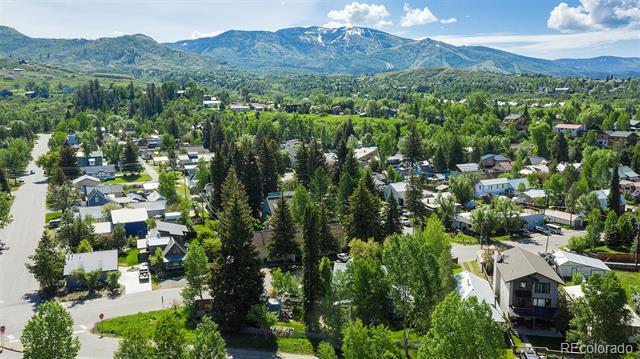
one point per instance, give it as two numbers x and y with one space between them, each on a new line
578 244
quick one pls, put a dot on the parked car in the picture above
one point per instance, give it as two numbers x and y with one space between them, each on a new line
32 172
553 228
543 230
143 271
343 257
54 223
528 354
406 222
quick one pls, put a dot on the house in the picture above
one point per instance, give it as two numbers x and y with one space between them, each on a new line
96 198
103 261
563 166
154 196
629 186
395 160
174 253
529 219
564 218
102 227
609 138
93 212
519 120
537 160
93 159
364 155
570 129
114 190
134 220
210 101
526 288
154 209
532 195
174 230
490 160
158 160
397 190
603 194
534 169
470 285
626 173
498 186
465 168
236 107
85 183
104 173
567 264
271 201
149 187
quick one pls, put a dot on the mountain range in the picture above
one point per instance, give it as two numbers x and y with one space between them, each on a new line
346 50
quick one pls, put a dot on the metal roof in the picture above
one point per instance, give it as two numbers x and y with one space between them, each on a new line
91 261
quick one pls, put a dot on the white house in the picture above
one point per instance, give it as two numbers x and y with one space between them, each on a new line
567 264
470 285
569 129
397 190
498 186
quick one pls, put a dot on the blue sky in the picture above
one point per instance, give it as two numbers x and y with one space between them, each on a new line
540 28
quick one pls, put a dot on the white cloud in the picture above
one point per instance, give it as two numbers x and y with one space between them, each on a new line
359 14
592 15
197 34
593 43
413 17
451 20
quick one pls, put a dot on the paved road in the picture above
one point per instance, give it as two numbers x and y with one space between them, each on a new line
17 285
150 170
536 244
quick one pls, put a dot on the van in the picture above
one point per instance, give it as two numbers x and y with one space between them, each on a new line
554 228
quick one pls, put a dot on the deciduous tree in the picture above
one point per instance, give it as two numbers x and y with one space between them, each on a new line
49 334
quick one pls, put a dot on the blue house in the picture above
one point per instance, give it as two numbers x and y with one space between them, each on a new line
134 220
93 159
96 198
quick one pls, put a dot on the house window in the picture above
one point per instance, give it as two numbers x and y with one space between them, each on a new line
523 284
541 302
544 288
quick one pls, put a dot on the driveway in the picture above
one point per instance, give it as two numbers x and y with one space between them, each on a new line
129 279
537 244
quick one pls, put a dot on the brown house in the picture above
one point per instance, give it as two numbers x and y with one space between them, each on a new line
518 119
609 138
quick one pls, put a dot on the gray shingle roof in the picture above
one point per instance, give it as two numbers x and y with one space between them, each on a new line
518 263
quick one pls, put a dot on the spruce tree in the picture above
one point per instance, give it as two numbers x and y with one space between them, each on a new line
411 145
4 184
346 186
329 243
47 262
302 165
268 158
206 134
413 197
218 172
613 200
456 153
391 216
351 166
68 161
130 158
283 243
311 286
440 160
248 172
236 281
561 148
362 220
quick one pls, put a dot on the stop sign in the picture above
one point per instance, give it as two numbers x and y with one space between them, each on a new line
2 328
101 316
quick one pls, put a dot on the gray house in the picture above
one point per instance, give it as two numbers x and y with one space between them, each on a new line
526 288
103 261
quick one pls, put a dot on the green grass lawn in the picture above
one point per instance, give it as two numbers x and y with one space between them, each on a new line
129 259
473 267
142 177
464 239
52 215
607 249
628 280
296 344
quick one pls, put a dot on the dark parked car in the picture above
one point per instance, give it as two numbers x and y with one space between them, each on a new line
54 223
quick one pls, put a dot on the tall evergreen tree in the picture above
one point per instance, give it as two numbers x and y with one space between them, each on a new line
206 134
268 158
613 200
236 282
217 133
311 272
456 153
130 158
351 166
47 262
69 161
4 184
561 148
391 216
413 198
248 172
218 172
411 145
173 129
283 243
362 220
329 243
302 165
346 186
439 160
